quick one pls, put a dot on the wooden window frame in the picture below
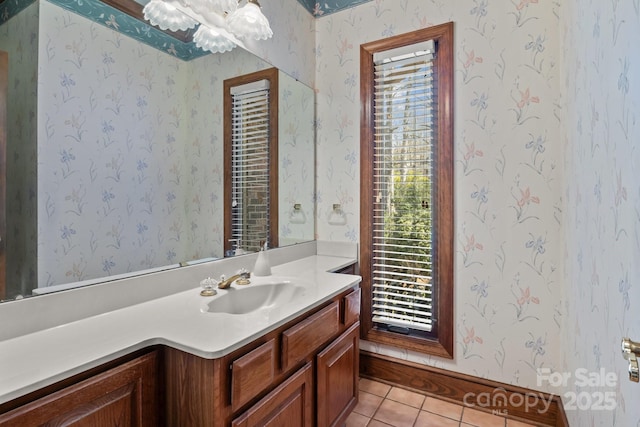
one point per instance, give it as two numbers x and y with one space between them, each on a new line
270 74
442 342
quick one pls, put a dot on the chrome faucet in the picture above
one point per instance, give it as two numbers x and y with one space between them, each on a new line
226 283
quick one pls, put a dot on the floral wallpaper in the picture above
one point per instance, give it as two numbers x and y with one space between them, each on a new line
547 200
10 8
19 37
508 185
110 17
601 100
111 179
296 161
291 48
133 142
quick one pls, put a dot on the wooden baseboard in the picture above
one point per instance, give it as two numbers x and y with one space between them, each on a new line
491 396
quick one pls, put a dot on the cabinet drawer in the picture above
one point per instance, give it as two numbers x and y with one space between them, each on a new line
352 307
252 373
290 404
304 338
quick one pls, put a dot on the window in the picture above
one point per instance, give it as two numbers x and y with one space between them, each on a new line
406 230
250 159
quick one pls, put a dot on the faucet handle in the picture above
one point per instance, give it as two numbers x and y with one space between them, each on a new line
208 286
244 277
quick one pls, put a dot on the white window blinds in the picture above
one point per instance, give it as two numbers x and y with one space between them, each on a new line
404 128
250 165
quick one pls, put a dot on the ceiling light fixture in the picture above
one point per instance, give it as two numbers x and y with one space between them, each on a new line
223 24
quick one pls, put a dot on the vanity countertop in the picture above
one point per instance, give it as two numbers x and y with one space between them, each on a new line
30 362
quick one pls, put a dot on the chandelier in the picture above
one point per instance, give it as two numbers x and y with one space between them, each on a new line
222 24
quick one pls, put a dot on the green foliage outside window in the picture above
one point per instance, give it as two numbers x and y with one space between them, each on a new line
407 226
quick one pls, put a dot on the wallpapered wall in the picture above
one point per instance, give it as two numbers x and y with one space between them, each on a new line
601 66
131 142
547 195
19 37
296 161
508 184
112 175
106 15
291 48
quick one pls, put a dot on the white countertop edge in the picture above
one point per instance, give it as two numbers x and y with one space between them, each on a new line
78 348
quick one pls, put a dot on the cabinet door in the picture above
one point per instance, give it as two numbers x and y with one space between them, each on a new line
122 396
288 405
337 379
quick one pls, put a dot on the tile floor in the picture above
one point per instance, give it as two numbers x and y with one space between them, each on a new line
381 405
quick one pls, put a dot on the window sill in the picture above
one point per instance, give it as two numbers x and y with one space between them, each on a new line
433 347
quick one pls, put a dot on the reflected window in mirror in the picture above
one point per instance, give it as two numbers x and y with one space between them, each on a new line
251 161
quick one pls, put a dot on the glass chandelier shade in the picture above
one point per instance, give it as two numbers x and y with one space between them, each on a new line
167 17
248 22
222 23
209 39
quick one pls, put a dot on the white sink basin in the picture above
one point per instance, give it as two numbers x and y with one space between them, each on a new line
245 299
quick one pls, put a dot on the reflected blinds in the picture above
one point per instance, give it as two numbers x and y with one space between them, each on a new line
250 165
403 170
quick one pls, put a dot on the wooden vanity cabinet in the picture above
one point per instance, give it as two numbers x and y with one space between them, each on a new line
304 373
125 395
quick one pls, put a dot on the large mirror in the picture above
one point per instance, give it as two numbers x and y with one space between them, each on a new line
115 152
